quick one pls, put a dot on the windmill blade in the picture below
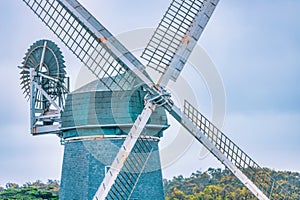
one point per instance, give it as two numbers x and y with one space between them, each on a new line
91 42
176 36
109 186
240 164
130 174
107 58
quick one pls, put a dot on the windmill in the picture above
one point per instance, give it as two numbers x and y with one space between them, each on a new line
118 70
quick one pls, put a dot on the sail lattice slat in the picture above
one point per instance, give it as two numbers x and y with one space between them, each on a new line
236 155
87 45
129 175
177 34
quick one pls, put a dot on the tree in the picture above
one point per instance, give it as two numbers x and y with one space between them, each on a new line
177 195
222 184
212 192
12 186
31 191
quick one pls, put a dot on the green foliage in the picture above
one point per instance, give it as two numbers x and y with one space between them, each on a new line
214 184
31 191
217 184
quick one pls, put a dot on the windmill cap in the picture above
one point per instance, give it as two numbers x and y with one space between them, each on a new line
94 110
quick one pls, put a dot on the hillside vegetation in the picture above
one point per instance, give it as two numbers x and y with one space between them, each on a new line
217 184
30 191
213 184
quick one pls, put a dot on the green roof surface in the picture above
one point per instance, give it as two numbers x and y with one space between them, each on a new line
93 110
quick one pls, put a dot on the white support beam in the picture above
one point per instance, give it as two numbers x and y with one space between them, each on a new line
47 96
124 152
43 56
194 130
115 47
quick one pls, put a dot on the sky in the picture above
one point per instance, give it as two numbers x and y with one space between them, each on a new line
254 46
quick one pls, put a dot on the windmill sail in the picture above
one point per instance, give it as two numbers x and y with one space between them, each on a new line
233 157
128 177
94 45
105 56
176 36
118 69
109 181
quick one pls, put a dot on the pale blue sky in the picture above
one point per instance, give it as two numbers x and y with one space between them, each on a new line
255 45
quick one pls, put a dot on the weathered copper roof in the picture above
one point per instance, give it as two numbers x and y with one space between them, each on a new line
92 109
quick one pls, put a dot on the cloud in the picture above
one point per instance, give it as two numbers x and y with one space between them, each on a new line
26 158
118 16
256 50
271 139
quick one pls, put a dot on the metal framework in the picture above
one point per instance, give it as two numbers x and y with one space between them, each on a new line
45 84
